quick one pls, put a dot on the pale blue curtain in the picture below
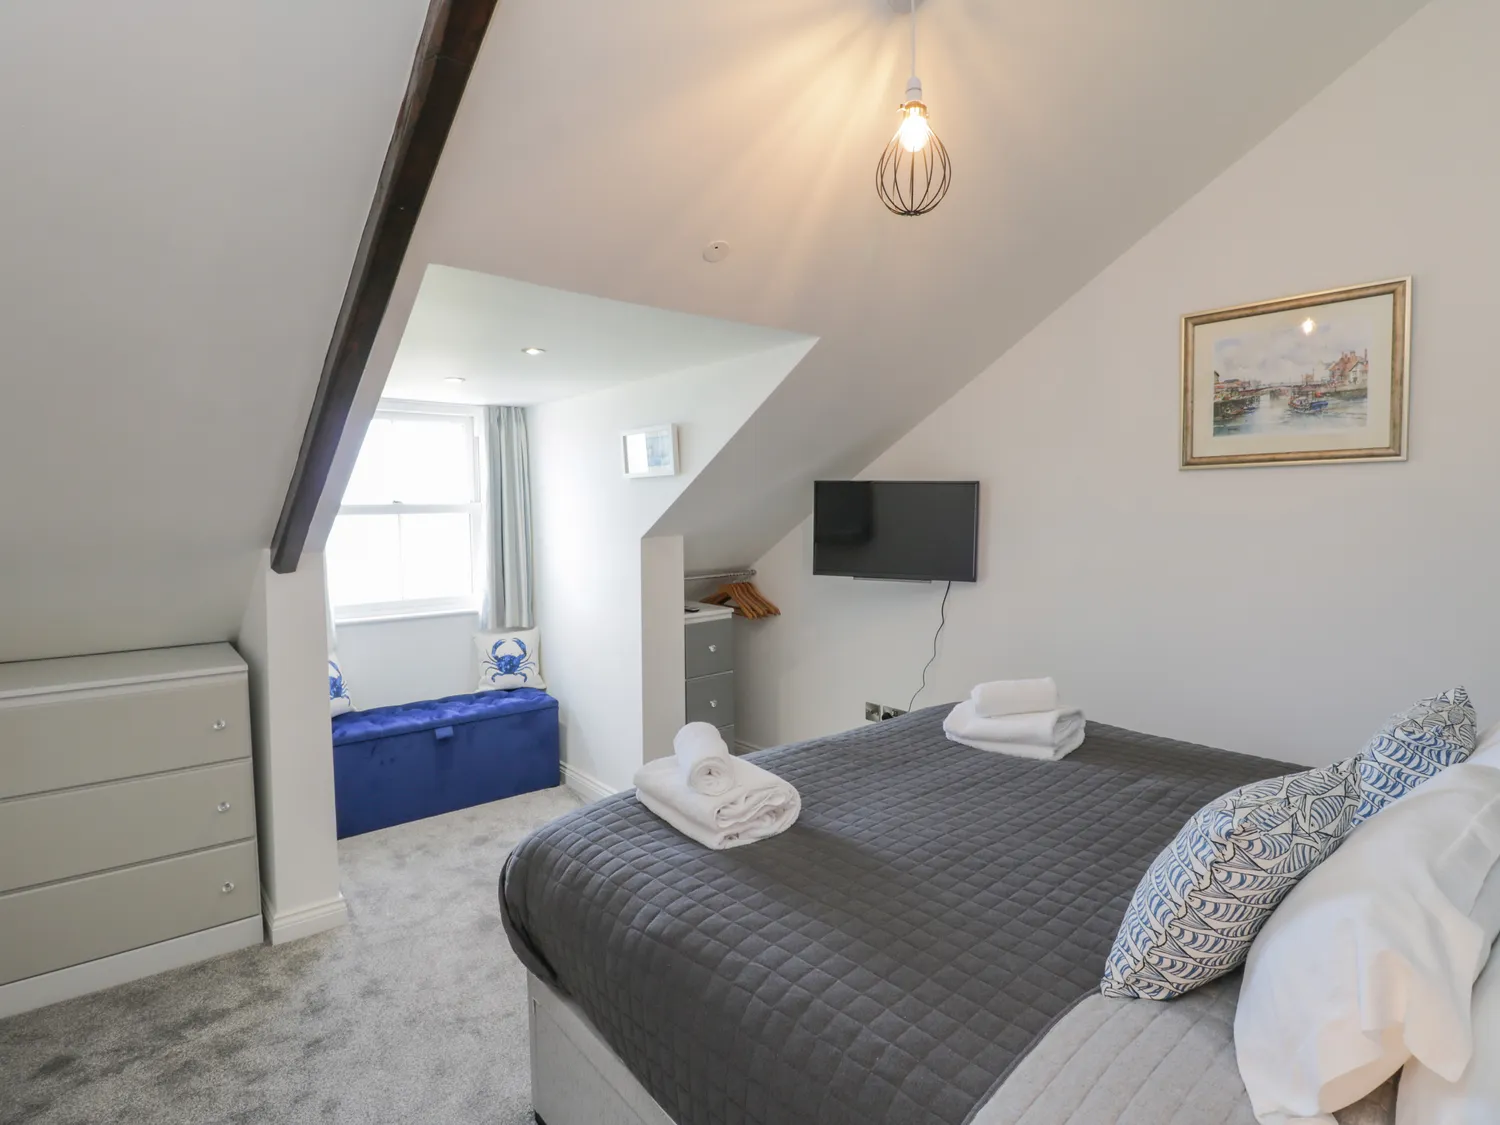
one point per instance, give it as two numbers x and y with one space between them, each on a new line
509 604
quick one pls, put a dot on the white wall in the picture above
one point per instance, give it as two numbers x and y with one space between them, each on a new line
408 659
589 521
282 640
1282 611
663 644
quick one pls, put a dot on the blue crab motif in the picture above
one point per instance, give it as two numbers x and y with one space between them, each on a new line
502 664
336 688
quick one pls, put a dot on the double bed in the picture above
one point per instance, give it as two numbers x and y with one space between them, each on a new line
892 959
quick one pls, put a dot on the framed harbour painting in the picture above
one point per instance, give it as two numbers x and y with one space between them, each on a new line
1302 380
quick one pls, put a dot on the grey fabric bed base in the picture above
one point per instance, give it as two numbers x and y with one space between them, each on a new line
1104 1062
576 1079
886 960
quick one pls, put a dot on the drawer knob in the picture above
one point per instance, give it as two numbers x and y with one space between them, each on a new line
713 648
227 888
713 702
223 806
220 724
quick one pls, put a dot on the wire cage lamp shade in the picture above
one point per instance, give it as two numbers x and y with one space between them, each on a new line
913 183
914 172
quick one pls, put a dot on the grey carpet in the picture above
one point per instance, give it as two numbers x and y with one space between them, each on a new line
414 1013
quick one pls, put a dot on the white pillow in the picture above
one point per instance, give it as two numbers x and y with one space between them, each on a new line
510 659
1487 753
338 689
1426 1098
1371 959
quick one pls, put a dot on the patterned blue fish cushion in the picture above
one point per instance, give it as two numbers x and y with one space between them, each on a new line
1206 896
1415 746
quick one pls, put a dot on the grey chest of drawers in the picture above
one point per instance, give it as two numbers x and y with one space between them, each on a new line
127 819
708 691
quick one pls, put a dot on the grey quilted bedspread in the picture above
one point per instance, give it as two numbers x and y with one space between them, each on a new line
887 959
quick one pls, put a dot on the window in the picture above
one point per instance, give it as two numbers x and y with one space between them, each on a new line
409 537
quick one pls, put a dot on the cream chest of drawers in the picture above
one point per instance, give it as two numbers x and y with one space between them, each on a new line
127 819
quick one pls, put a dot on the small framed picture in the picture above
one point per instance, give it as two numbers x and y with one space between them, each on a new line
1313 379
651 452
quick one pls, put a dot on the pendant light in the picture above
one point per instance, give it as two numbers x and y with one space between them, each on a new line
914 172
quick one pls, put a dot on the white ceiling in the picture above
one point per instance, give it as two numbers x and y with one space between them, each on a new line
474 326
648 129
184 188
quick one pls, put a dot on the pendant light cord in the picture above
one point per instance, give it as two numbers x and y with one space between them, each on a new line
913 38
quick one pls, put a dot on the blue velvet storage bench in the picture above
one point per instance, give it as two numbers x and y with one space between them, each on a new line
395 764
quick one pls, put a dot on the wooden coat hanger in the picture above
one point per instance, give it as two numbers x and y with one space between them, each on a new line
748 602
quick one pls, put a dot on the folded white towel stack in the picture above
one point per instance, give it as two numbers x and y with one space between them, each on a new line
1014 697
1044 735
759 804
704 761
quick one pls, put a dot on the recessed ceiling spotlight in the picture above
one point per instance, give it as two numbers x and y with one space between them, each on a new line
534 351
1309 326
454 379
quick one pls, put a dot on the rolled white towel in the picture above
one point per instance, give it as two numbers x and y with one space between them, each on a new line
760 804
703 759
1014 697
1047 735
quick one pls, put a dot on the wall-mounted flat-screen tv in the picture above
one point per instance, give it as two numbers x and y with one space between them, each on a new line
916 531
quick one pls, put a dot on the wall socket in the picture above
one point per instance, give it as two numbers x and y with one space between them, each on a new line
879 712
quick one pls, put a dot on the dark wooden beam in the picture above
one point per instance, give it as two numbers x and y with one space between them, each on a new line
445 56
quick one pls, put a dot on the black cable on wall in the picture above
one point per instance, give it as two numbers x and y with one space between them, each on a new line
942 621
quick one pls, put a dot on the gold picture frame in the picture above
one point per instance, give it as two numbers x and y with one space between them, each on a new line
1306 380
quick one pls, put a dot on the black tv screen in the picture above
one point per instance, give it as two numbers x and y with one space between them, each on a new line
921 531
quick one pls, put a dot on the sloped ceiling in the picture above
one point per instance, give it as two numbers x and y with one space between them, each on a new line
185 185
600 146
183 192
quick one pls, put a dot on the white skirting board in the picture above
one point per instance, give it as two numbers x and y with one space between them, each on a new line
588 787
289 925
575 1078
106 972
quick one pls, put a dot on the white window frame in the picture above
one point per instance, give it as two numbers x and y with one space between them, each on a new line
478 512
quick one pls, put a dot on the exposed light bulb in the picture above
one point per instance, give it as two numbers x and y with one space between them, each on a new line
914 132
1308 326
